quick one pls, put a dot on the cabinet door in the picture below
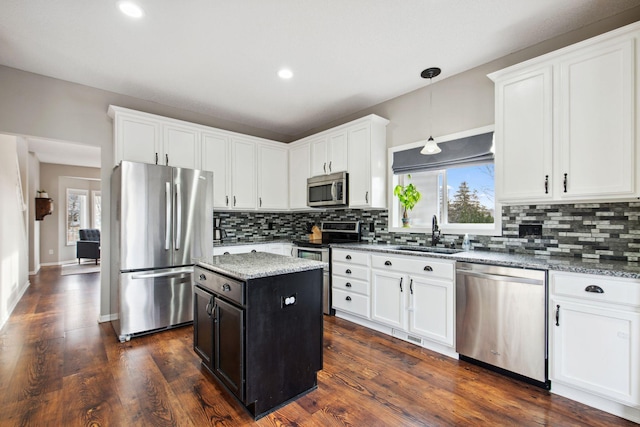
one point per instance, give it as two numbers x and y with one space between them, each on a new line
180 147
596 349
216 158
299 171
597 150
137 140
319 154
203 325
431 309
243 172
524 136
228 362
388 298
359 167
337 152
273 178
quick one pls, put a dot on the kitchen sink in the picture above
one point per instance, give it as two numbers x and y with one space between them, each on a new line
428 249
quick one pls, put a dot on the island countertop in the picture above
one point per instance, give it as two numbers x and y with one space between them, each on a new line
257 264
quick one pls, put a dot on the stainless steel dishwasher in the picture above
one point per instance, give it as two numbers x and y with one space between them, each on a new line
501 319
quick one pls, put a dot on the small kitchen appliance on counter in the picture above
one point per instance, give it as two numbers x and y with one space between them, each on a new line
319 250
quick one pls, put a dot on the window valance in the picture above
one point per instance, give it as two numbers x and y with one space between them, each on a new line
475 149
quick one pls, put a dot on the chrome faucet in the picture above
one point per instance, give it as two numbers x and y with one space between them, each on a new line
435 231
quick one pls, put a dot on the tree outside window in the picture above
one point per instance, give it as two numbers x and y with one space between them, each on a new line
77 214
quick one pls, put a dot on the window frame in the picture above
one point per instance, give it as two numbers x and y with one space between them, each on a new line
87 209
395 211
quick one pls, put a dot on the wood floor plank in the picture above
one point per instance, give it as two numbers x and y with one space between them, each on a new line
59 367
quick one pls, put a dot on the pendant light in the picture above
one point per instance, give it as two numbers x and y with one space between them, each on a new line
431 147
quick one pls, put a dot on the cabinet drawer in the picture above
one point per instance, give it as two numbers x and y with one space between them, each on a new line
350 257
350 285
614 290
430 267
351 302
350 271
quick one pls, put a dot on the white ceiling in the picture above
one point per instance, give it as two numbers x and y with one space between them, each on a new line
220 58
64 153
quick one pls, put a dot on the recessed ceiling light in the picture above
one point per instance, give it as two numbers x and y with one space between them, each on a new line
285 73
130 9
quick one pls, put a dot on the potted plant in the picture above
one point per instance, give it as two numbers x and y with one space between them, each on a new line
408 196
42 194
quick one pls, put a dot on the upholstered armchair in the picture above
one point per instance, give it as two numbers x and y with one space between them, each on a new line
89 244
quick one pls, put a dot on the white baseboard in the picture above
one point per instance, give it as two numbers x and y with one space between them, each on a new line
615 408
107 317
13 302
69 261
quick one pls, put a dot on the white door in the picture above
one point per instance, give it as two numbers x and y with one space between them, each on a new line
299 171
337 152
216 157
359 166
597 119
180 147
138 140
273 178
596 349
388 298
319 153
524 136
431 309
243 173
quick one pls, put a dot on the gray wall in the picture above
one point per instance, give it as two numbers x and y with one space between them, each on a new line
39 106
33 170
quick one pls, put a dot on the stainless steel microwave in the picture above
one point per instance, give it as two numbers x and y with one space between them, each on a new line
326 191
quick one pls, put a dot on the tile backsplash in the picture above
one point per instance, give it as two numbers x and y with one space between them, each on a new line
594 230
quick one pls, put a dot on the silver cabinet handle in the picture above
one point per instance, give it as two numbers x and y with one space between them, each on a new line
166 156
401 284
178 228
366 197
595 289
329 166
325 167
167 213
260 201
234 200
558 315
226 200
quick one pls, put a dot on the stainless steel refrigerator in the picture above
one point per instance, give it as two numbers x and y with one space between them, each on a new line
161 219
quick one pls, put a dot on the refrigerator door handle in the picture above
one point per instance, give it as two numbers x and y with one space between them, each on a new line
163 273
178 217
167 223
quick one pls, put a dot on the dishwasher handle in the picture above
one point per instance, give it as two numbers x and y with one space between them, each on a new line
500 277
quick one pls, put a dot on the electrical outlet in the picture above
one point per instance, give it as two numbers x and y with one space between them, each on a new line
371 228
269 226
50 251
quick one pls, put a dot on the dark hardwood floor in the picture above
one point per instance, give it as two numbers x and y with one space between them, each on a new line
59 367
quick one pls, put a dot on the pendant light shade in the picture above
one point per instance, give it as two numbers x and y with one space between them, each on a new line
431 147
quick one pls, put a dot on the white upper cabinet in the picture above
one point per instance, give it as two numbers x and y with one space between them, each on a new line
216 158
137 139
243 173
524 136
299 171
329 152
565 123
181 146
596 127
367 143
273 177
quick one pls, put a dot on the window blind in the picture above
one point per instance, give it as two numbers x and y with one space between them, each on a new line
467 151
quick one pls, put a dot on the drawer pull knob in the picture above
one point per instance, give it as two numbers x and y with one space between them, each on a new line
226 287
348 298
428 268
387 263
203 277
348 257
348 285
348 271
595 289
226 253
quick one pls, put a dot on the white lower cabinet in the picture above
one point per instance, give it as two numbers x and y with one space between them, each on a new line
595 340
409 297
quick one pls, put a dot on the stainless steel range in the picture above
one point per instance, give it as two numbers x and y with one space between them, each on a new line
320 250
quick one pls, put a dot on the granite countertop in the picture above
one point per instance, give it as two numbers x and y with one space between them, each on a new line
234 241
542 262
258 264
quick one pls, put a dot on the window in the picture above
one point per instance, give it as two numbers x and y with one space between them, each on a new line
96 209
77 213
458 187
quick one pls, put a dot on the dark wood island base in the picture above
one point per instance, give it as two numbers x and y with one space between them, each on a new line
261 338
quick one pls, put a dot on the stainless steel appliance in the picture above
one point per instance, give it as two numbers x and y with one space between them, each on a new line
328 190
332 232
501 319
161 219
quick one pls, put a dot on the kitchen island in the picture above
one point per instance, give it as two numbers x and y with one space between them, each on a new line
258 326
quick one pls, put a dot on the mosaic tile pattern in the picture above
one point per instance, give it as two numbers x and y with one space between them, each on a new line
607 231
